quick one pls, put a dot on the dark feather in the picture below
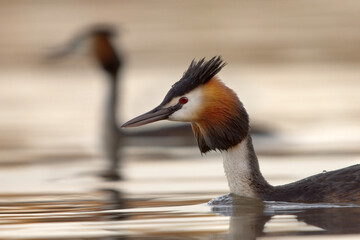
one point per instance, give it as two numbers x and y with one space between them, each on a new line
200 139
197 74
224 135
335 186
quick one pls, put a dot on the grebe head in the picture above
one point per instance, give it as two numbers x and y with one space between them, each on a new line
102 48
219 120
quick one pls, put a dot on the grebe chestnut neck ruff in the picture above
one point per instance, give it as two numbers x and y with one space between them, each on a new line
220 122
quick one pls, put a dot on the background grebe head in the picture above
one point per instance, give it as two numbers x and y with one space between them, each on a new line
100 37
218 118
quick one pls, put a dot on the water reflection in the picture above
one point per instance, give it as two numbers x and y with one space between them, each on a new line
111 214
248 217
113 200
333 220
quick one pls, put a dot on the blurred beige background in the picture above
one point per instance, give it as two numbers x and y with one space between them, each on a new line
294 64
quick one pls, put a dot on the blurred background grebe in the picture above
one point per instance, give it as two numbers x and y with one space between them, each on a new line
295 65
111 61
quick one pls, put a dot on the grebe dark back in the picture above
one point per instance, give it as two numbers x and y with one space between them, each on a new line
220 122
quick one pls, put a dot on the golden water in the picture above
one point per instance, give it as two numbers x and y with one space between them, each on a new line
294 64
164 196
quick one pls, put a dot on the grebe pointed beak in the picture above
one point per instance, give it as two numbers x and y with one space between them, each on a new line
154 115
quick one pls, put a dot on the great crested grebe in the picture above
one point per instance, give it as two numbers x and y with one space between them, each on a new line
111 61
220 122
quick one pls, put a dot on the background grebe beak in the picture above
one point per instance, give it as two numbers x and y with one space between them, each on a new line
154 115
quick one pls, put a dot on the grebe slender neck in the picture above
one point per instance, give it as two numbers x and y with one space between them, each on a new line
243 172
112 136
111 103
111 62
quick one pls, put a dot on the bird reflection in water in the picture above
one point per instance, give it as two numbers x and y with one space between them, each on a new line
113 200
248 216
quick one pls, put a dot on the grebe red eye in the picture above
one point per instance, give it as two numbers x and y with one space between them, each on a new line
183 100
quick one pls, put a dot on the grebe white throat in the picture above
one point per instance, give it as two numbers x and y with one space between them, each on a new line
237 169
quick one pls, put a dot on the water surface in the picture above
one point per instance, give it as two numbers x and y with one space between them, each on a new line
163 196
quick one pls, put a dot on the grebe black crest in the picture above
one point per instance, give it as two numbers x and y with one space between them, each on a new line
220 122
